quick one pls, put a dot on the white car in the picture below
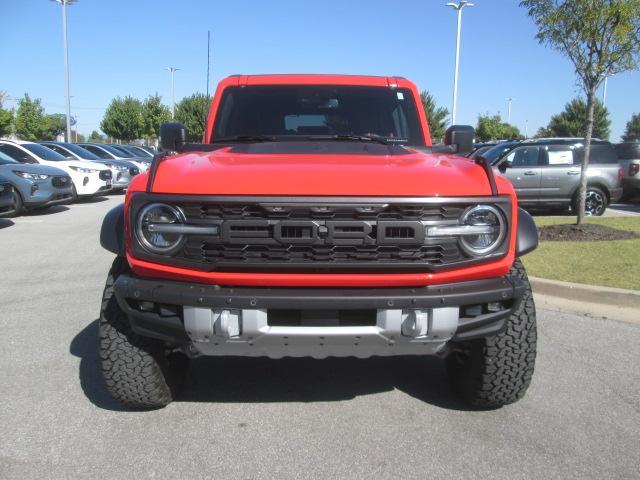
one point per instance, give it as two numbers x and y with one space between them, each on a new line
108 152
88 178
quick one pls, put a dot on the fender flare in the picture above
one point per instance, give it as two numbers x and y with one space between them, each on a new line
112 231
527 235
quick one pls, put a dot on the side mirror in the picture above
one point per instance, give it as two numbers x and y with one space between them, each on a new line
460 137
503 167
173 135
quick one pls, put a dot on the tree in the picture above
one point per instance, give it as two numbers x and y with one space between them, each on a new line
80 138
53 126
600 37
96 137
123 119
31 122
154 113
6 121
192 112
572 122
437 117
632 132
493 128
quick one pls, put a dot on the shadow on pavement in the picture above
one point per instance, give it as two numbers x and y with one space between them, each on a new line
98 199
5 222
85 346
249 380
36 212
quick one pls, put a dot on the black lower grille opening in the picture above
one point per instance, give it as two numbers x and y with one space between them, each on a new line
321 318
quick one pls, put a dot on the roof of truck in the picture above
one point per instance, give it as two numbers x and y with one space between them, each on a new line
317 79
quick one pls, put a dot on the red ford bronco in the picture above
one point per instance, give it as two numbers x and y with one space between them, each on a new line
317 219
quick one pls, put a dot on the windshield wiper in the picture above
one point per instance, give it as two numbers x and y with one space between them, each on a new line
245 138
350 138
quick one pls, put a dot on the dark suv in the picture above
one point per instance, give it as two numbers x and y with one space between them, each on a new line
546 173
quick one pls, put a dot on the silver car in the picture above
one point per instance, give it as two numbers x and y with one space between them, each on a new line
546 173
109 152
629 156
122 171
35 186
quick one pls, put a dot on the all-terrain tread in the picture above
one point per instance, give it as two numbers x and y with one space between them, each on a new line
499 368
133 366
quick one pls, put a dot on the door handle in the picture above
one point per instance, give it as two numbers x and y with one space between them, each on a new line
573 172
530 172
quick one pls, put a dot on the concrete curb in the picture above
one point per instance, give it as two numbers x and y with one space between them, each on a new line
586 293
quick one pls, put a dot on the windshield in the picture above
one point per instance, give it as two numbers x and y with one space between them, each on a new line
295 112
628 151
121 151
6 159
495 153
43 152
141 152
81 152
116 151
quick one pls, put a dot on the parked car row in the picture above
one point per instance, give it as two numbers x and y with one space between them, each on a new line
39 175
545 172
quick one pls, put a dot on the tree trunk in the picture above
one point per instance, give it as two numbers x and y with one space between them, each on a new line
582 193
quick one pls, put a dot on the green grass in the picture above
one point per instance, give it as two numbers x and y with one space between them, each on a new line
607 263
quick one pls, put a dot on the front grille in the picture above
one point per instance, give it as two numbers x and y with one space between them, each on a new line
201 213
221 254
61 182
105 175
317 235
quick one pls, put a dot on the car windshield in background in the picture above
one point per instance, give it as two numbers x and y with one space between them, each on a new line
141 152
43 152
495 153
628 151
116 151
123 151
81 152
286 112
6 159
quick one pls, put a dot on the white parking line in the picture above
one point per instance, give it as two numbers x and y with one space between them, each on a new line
27 220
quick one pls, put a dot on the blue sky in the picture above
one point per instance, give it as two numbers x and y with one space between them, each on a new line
119 48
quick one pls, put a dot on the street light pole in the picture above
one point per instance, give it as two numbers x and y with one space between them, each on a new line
458 7
509 100
173 70
64 4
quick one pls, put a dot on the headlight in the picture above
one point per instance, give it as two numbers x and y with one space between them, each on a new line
31 176
156 226
84 170
490 222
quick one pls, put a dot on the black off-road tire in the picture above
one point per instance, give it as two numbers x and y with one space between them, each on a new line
495 371
138 371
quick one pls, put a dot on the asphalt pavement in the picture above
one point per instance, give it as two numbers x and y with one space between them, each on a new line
303 418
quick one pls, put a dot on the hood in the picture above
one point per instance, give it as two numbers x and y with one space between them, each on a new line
366 171
82 164
31 168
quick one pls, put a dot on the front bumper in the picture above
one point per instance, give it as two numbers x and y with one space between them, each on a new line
214 320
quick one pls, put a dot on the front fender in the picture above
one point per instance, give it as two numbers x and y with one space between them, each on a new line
527 236
112 231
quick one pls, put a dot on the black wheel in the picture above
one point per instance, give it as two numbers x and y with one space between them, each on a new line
139 372
496 371
595 202
18 206
74 194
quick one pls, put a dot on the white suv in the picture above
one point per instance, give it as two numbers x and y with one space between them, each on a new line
88 178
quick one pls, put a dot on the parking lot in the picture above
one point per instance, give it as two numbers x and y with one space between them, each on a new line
255 418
